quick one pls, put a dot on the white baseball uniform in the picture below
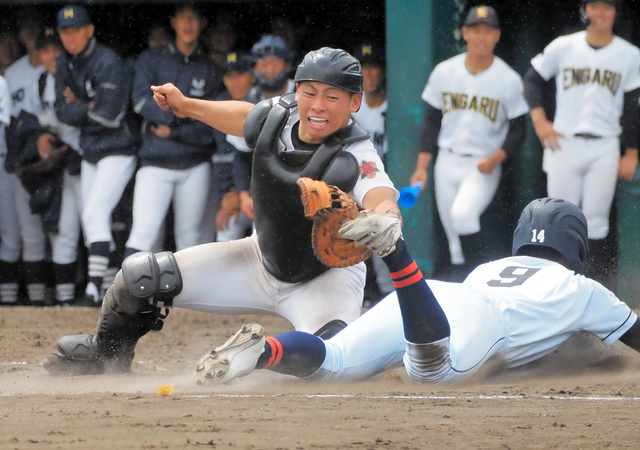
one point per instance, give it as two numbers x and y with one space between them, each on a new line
64 244
518 308
590 87
476 110
230 277
9 226
22 78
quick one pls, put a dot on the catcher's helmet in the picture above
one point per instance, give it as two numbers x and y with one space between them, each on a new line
271 46
557 224
332 66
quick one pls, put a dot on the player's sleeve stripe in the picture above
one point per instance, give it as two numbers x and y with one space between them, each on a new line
406 271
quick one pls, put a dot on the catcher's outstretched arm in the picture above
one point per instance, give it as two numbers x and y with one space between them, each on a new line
227 116
381 200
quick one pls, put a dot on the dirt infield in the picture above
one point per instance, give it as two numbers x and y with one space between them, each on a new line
584 396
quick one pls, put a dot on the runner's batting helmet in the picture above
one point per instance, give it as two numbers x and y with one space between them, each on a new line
332 66
583 14
554 223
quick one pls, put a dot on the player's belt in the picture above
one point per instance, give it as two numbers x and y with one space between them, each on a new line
587 136
458 153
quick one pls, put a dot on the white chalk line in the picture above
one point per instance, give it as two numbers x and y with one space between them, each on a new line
421 397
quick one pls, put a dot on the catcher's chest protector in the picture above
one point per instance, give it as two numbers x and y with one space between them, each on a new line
284 234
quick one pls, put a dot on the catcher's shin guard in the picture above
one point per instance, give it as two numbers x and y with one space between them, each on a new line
129 311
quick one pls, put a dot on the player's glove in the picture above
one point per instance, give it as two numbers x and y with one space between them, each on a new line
329 207
379 233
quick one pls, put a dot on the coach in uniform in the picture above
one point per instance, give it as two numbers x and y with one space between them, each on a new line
597 89
175 153
275 271
93 87
475 118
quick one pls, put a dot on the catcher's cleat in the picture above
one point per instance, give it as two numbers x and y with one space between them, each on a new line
78 355
235 358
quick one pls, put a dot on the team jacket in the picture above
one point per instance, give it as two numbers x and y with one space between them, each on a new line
100 76
191 141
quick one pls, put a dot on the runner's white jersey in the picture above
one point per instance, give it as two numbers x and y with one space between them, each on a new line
476 108
543 304
23 85
590 83
374 122
48 119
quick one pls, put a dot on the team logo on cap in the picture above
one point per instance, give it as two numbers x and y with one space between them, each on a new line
366 49
483 12
232 58
68 13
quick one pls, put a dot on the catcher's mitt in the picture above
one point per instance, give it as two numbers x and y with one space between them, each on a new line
329 207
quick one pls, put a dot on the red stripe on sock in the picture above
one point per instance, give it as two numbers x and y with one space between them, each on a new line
269 340
406 271
276 352
406 282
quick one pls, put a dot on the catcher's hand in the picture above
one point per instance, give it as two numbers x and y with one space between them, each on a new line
379 233
329 207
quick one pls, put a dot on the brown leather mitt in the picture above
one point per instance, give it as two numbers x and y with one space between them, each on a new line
329 207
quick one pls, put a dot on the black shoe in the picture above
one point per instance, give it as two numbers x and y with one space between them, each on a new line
87 300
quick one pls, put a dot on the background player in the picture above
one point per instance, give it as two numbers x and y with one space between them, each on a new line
22 77
93 86
597 89
175 153
232 165
518 308
474 118
9 226
372 117
275 271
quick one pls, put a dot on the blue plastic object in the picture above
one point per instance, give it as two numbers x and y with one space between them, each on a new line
409 195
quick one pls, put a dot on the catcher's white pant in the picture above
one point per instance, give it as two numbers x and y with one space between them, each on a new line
375 341
33 238
229 278
155 188
585 172
235 230
64 244
9 225
102 187
462 194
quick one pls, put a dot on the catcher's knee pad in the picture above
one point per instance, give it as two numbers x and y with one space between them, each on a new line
330 329
428 363
144 277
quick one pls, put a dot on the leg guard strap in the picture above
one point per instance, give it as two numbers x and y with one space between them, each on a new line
330 329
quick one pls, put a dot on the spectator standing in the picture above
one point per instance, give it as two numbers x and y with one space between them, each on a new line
175 154
93 87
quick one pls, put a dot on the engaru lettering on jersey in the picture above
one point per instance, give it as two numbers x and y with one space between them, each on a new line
486 106
605 78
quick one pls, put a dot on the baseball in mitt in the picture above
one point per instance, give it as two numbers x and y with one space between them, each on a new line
329 207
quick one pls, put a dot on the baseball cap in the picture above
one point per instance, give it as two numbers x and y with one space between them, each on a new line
369 53
238 62
47 36
482 14
73 16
